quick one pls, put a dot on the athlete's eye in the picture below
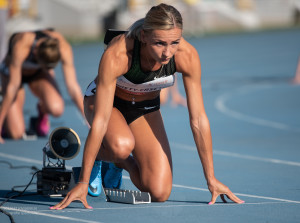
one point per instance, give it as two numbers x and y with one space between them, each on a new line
160 43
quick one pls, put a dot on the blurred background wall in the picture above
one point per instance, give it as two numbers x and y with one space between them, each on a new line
88 19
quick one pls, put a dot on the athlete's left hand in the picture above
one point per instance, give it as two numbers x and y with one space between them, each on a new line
216 188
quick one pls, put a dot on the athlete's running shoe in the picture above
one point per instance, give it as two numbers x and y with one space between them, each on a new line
95 183
112 175
43 123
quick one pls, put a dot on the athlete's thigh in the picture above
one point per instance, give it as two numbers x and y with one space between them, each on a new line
118 141
152 150
45 87
46 90
118 137
117 125
14 121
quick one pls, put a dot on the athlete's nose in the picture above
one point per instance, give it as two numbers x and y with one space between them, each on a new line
167 51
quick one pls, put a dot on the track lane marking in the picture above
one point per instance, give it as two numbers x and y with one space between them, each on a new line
220 104
14 157
240 194
48 215
236 155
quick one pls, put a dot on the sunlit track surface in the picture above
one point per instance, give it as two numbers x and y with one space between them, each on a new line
254 114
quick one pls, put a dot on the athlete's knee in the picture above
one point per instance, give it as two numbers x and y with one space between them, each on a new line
122 148
17 132
16 135
159 190
160 193
56 108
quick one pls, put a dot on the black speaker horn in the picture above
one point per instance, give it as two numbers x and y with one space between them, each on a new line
55 179
63 144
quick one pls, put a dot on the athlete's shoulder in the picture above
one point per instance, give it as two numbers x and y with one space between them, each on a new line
118 54
121 43
185 47
22 39
23 36
186 56
120 47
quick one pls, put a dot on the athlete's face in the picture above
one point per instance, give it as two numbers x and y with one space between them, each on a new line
162 44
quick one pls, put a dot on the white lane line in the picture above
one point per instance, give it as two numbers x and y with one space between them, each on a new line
48 215
24 159
270 160
220 104
236 155
29 201
127 207
174 185
240 194
166 205
19 158
189 205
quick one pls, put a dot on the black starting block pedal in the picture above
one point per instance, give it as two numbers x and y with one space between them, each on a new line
30 133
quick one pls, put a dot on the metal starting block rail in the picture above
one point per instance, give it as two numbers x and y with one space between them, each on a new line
127 196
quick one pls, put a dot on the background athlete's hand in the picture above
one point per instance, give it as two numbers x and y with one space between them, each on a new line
78 193
178 99
1 139
217 188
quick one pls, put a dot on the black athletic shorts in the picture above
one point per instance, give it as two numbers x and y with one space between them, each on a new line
4 70
132 111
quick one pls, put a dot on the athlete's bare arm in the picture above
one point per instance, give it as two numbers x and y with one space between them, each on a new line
114 63
69 71
22 44
188 63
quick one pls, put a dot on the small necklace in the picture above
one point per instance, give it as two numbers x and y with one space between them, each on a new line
133 100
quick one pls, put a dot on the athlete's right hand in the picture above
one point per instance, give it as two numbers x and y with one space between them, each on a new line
78 193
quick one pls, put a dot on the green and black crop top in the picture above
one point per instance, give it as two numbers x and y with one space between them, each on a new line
139 82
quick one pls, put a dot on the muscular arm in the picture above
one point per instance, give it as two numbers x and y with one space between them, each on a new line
188 63
114 63
69 71
20 51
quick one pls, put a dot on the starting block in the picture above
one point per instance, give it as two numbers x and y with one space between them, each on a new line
127 196
119 195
